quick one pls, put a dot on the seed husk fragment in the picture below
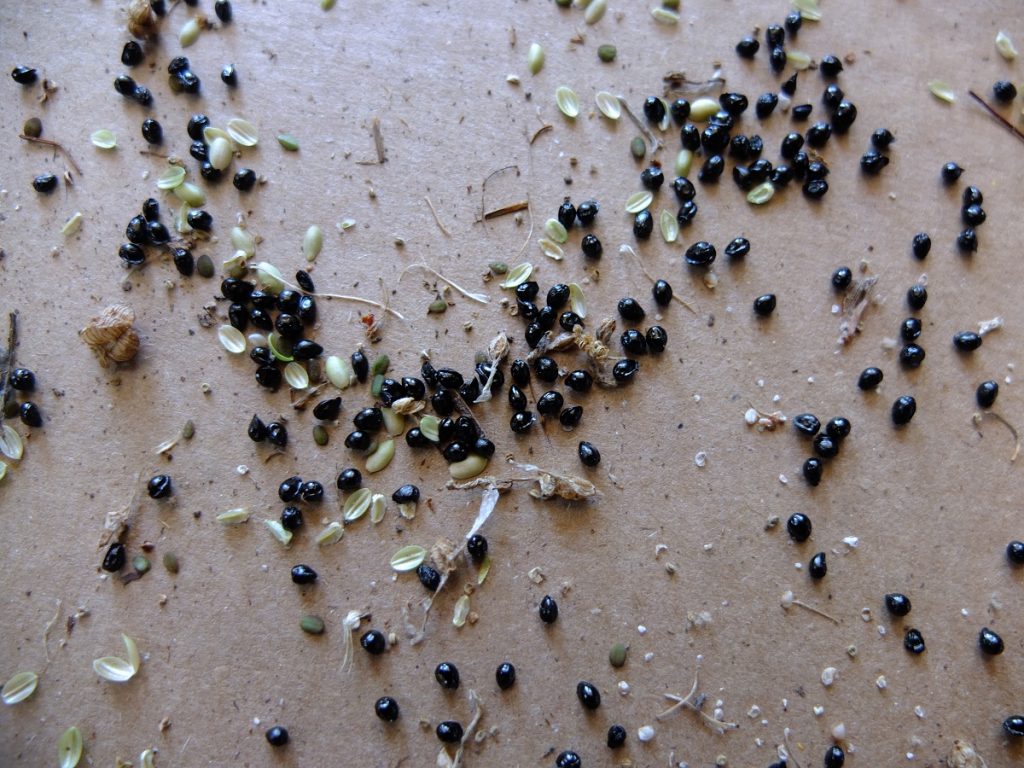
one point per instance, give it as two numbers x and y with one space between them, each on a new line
191 194
232 339
639 201
1004 45
408 558
19 688
235 516
103 139
461 612
941 90
551 249
556 231
72 225
312 625
355 505
288 141
518 275
331 534
172 176
608 104
761 194
242 132
798 60
669 226
69 748
567 101
809 9
279 532
381 457
296 376
535 58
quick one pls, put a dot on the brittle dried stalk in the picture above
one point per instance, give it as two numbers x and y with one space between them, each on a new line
342 297
655 141
56 145
483 187
477 297
978 417
8 359
1006 123
687 702
497 351
504 210
437 218
627 249
855 304
550 484
349 625
111 335
678 82
477 712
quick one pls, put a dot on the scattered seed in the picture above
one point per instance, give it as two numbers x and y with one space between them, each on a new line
189 32
312 243
639 201
235 516
381 457
69 748
518 275
595 11
279 532
684 162
408 558
555 231
617 655
669 226
242 132
312 625
703 109
1005 46
104 139
567 101
19 688
551 249
664 15
609 105
33 127
469 467
942 91
535 58
141 564
172 177
171 564
761 194
606 53
289 142
116 669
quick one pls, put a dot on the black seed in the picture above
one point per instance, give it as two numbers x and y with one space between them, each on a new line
374 642
872 162
631 310
277 736
429 577
159 487
414 439
185 81
882 138
571 416
303 574
657 339
789 86
505 675
777 58
1004 91
261 319
516 398
912 355
972 196
1014 726
369 419
967 341
528 290
747 47
142 95
680 110
701 254
533 334
989 642
588 454
290 489
197 123
199 151
449 377
546 318
521 421
483 447
712 169
986 393
654 109
568 759
447 675
842 278
913 641
834 757
819 134
184 262
951 172
550 403
897 604
815 188
124 85
687 213
455 452
578 381
201 220
766 104
813 469
903 410
443 401
807 424
312 491
131 254
244 179
917 296
791 144
291 518
1015 552
733 103
157 234
229 75
327 410
587 211
967 241
825 445
801 112
832 95
477 547
921 245
801 163
44 183
838 428
257 430
558 295
689 136
115 558
625 370
588 695
569 320
223 10
132 54
774 35
616 736
567 214
739 147
238 317
662 293
277 434
449 732
737 248
973 215
548 610
358 440
799 527
643 224
830 66
22 379
386 709
268 376
818 567
152 131
764 305
176 65
844 116
208 172
652 178
910 329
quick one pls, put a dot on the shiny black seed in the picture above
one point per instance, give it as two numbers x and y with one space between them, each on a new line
136 230
550 403
527 309
830 66
897 604
714 139
483 447
455 452
449 732
777 58
443 401
913 641
303 574
633 342
972 196
124 85
386 709
844 116
643 224
131 254
680 110
654 109
588 695
872 162
429 577
201 220
737 248
277 434
429 374
567 214
369 419
819 134
789 86
417 390
571 416
447 675
616 736
312 491
276 736
687 213
1004 91
903 410
989 642
548 610
199 150
196 123
211 174
742 177
152 131
587 211
912 355
132 54
818 567
350 479
815 188
801 112
662 293
115 558
268 376
764 305
656 338
558 295
747 47
157 234
625 370
358 440
652 178
450 378
150 209
244 179
505 675
921 245
180 64
238 316
910 329
842 278
414 439
986 393
813 469
374 642
229 75
579 381
791 144
142 95
516 398
967 241
973 215
290 489
569 320
631 310
327 410
546 369
689 135
546 318
521 421
568 759
533 334
159 487
739 147
22 379
712 169
967 341
528 290
701 254
1014 726
917 296
223 10
1015 552
799 527
951 172
801 163
774 35
477 547
882 138
392 390
832 95
838 428
257 430
825 445
733 103
445 429
185 81
834 757
588 454
807 424
766 104
291 518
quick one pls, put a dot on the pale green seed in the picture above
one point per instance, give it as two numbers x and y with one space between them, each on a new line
320 436
104 139
376 383
606 53
639 201
204 265
684 161
595 11
288 141
1005 46
141 564
535 58
638 147
19 688
33 127
469 467
172 176
190 194
498 267
617 655
556 231
312 625
664 15
312 242
380 365
761 194
702 109
189 32
798 59
171 563
381 457
408 558
69 748
437 306
567 100
188 429
326 5
72 225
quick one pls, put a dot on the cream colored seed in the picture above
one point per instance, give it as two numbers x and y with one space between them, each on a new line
535 58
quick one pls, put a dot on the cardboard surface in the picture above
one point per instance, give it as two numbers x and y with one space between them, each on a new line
932 505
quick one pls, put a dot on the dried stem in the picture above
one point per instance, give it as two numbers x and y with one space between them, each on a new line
355 299
543 129
790 755
477 297
814 610
8 361
437 218
978 417
627 249
504 210
474 703
483 187
686 702
655 141
56 145
1006 123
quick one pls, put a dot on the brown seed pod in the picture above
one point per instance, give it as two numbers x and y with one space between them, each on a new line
111 335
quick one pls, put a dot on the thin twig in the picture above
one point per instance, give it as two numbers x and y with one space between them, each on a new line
8 361
378 140
790 755
543 129
49 626
977 418
483 187
437 218
652 278
480 298
1006 123
343 297
529 234
507 209
686 702
56 145
655 141
812 609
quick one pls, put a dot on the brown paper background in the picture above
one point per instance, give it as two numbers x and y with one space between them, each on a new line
933 504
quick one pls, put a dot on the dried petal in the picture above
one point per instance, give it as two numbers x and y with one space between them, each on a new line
577 300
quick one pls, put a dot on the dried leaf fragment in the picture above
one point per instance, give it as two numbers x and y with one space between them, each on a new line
111 335
461 611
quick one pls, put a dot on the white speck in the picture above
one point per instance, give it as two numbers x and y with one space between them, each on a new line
696 398
719 713
701 458
645 733
881 631
754 712
910 755
760 382
787 599
810 379
242 469
882 683
839 731
783 479
836 309
648 656
828 676
624 688
708 547
758 742
658 549
750 416
798 566
852 542
785 705
1008 380
255 721
819 711
265 568
641 629
865 614
919 711
964 612
776 398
